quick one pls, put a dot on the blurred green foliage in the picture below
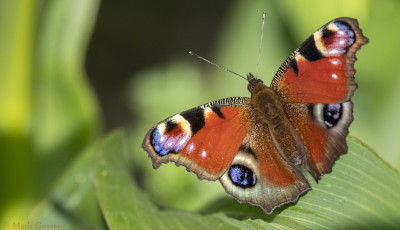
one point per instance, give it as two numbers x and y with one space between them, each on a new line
48 111
52 162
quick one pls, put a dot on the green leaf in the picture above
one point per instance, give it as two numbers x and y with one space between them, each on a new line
48 111
72 202
361 192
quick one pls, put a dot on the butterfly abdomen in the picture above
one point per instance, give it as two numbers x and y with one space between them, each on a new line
265 101
269 110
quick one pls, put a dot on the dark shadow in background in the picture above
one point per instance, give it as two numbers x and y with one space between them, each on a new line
130 36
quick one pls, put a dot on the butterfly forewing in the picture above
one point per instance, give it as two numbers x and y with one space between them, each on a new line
321 70
204 139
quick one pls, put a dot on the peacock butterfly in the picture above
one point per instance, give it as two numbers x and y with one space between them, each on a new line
256 146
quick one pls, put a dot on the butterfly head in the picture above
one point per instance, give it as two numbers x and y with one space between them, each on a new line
264 99
255 84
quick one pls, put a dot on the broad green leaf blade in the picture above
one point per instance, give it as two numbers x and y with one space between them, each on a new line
361 192
72 202
125 206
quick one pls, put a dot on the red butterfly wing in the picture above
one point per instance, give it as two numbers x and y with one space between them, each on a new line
321 69
204 139
316 84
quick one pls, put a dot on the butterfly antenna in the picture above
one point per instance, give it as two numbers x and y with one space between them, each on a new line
212 63
259 52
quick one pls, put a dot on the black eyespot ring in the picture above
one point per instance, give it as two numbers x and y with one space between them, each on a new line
242 176
332 114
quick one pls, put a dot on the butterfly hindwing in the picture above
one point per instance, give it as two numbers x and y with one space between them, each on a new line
204 139
323 130
261 174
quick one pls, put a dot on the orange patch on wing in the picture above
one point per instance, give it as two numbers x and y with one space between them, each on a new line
311 133
322 81
271 164
316 143
215 145
314 138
